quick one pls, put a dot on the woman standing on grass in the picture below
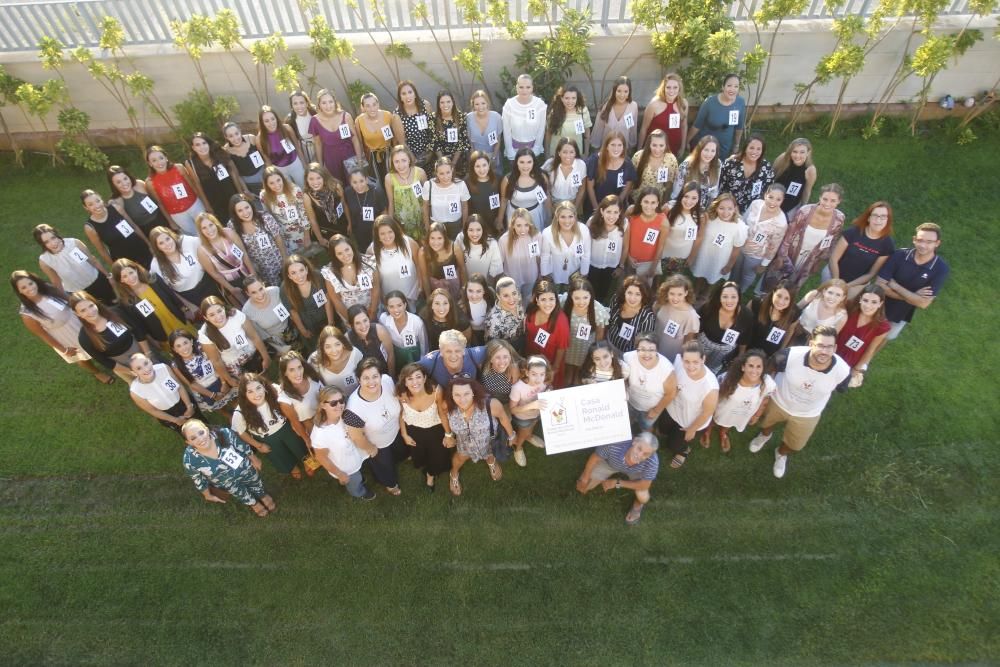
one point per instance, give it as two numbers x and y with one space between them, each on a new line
190 274
774 317
130 198
565 247
105 336
280 147
263 307
863 249
794 169
404 188
451 133
747 174
334 450
218 458
421 423
223 249
644 236
864 333
722 116
703 167
474 422
547 328
111 234
396 258
336 360
371 338
259 422
587 319
171 185
299 118
766 226
523 119
351 279
607 245
231 342
442 263
304 297
726 326
70 266
406 330
197 372
158 392
45 314
291 208
372 420
298 397
691 410
148 300
334 139
216 177
631 315
677 321
329 203
743 396
826 305
480 250
521 247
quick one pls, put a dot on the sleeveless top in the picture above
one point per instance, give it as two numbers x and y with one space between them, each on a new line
398 272
329 211
375 141
138 209
175 193
419 141
73 269
793 178
661 121
226 262
371 346
218 183
278 152
426 418
59 321
472 438
163 392
119 236
408 210
246 164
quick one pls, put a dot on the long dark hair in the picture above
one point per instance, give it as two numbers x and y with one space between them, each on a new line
588 366
557 110
44 288
251 415
536 172
105 312
766 303
543 287
400 236
479 395
610 102
488 296
290 289
113 171
427 315
644 160
472 181
596 222
167 267
310 373
855 305
633 281
335 264
734 372
580 284
216 154
677 209
211 330
196 350
714 304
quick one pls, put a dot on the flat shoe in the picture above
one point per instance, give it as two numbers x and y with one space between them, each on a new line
455 486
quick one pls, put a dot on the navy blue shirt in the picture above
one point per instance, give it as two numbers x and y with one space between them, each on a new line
433 364
902 268
862 252
721 122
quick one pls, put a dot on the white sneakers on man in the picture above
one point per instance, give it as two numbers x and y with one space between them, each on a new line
780 461
758 442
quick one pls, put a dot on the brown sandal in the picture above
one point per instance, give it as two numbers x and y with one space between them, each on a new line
455 486
268 503
259 509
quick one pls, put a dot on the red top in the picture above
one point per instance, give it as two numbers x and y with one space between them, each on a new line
169 186
661 121
642 248
852 341
555 341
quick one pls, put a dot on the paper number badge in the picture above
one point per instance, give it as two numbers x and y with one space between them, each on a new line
541 338
386 132
730 337
345 131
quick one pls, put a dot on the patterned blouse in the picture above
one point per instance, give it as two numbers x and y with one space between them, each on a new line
291 215
457 131
361 290
418 140
505 325
621 332
745 189
232 471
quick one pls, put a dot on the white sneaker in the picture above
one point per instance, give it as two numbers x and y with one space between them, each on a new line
780 461
536 441
520 458
758 443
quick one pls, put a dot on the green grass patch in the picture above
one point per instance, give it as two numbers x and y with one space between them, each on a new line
878 547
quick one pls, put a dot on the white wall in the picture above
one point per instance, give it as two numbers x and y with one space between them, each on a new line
798 48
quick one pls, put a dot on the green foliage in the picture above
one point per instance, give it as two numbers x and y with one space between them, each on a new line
112 34
200 113
265 51
50 52
966 137
40 100
550 61
286 77
776 10
193 35
226 29
357 88
8 87
83 154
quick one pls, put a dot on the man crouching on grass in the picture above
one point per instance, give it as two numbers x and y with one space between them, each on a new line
636 460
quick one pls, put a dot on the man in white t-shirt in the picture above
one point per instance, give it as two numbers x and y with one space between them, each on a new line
807 377
652 383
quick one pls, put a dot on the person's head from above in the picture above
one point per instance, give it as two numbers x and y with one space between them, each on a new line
646 351
693 358
196 433
927 238
822 344
643 446
452 344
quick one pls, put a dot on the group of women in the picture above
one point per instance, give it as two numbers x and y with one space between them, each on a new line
417 298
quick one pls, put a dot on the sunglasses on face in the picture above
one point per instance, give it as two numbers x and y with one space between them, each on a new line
335 402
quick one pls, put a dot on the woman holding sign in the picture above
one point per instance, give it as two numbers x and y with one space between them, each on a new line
725 326
218 458
795 170
247 158
485 128
547 328
303 296
148 300
69 265
668 111
334 138
111 234
171 186
722 116
231 341
350 279
44 313
261 236
158 392
587 319
415 118
216 177
129 196
280 146
809 240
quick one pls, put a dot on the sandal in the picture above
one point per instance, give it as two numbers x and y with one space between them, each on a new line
680 458
268 503
455 486
496 472
259 509
706 439
394 491
296 473
111 379
633 516
724 443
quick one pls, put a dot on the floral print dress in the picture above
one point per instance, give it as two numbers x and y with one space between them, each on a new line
291 216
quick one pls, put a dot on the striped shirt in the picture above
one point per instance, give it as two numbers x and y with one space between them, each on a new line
614 456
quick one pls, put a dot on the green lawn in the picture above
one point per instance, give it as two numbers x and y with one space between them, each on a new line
879 546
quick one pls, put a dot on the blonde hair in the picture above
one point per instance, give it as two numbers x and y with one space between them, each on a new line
519 213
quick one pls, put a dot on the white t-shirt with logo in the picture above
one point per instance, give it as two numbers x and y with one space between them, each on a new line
645 385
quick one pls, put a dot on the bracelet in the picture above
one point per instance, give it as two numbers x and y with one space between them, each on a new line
618 484
449 435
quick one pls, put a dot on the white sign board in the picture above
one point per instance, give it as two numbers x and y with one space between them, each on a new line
585 416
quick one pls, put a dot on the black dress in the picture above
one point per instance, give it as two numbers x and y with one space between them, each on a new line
120 238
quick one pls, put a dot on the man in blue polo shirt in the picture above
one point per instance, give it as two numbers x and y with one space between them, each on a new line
636 460
912 277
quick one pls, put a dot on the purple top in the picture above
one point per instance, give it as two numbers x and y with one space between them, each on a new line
280 157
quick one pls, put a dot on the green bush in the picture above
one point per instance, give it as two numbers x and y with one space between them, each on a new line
201 113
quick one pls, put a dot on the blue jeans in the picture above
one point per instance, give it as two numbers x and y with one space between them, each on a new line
356 485
640 418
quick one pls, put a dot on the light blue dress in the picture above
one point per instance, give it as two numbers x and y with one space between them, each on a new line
480 140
